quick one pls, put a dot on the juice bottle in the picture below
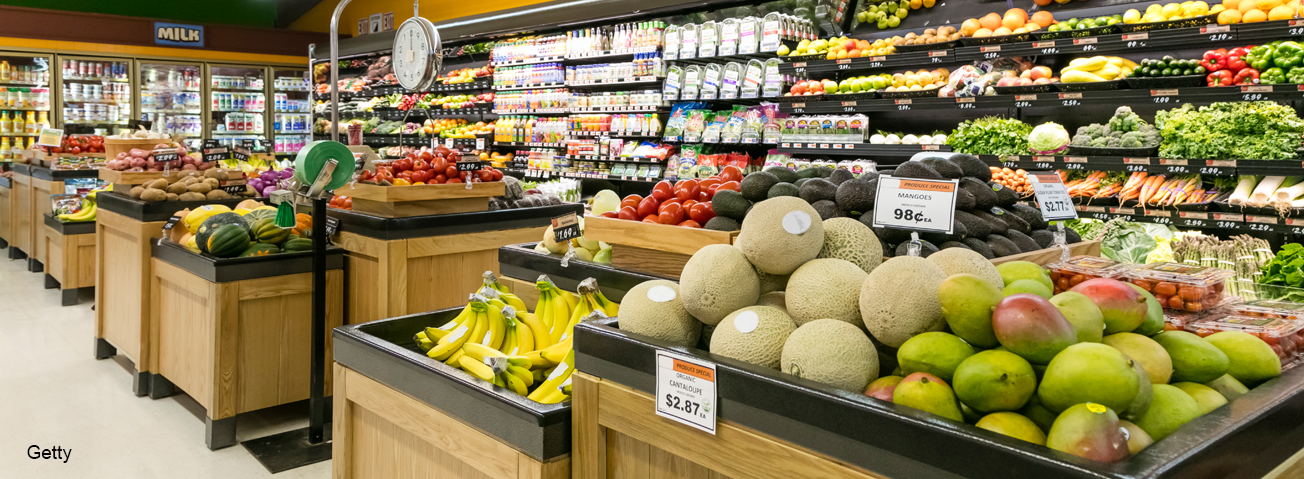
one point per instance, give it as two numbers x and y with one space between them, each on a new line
6 123
44 121
32 126
4 71
4 148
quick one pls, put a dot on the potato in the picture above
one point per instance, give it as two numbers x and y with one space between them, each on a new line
212 183
930 31
218 195
136 191
191 196
177 188
172 196
189 180
201 188
154 194
216 174
159 184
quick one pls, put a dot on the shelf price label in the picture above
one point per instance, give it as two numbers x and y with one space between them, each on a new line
915 204
565 227
1052 197
686 390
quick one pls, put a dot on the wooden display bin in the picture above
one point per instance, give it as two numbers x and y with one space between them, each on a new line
20 213
6 221
660 250
45 183
70 256
235 333
521 267
398 266
125 228
1053 254
421 200
401 415
771 424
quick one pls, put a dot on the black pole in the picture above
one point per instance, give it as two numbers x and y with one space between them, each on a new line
316 401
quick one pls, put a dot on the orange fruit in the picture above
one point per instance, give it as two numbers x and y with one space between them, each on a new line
1245 6
1043 18
1253 16
991 21
982 32
1228 17
1268 5
969 26
853 54
1021 13
1041 3
1012 22
1281 13
1001 31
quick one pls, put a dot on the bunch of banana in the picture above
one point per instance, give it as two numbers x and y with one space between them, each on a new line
87 212
591 301
554 307
491 281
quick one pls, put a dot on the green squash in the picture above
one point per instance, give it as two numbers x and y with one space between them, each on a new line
227 241
298 244
266 231
258 214
260 249
212 223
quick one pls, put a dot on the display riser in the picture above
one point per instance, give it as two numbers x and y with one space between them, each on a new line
70 256
660 250
123 270
1053 254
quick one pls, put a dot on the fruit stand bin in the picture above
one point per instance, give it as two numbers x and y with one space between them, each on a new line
20 212
1051 255
70 256
6 222
133 178
661 250
771 424
235 333
421 200
399 414
400 266
521 266
125 228
44 183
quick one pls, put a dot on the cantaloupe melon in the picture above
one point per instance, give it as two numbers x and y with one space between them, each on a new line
777 299
825 288
899 299
655 309
755 334
961 260
781 234
771 282
831 352
851 240
717 281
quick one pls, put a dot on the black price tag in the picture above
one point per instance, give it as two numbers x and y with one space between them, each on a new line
250 144
565 228
168 154
472 165
214 151
332 225
172 222
235 187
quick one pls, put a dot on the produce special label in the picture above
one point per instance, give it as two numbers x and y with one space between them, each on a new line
916 205
1052 197
686 390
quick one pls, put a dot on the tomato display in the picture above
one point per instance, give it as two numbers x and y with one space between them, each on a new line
427 167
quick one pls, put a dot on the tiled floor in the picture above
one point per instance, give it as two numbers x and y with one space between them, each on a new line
54 393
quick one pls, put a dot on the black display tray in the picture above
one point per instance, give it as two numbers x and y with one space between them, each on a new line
1089 86
1085 32
47 174
924 93
222 270
522 262
1144 83
6 182
1123 152
1022 89
146 211
452 224
1245 439
385 352
73 228
928 47
23 169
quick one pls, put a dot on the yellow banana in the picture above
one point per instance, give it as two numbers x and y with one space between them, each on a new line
514 383
519 361
539 376
556 354
421 335
561 314
453 341
513 301
571 299
425 344
476 368
492 281
478 352
558 376
482 325
608 307
512 339
538 331
435 334
454 358
543 310
459 319
524 336
521 373
581 311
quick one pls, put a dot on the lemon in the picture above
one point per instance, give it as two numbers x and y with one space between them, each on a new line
1152 18
1198 9
1131 16
1156 8
1171 10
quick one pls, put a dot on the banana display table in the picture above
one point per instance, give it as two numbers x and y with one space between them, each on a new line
401 415
70 256
521 267
400 266
125 228
235 333
45 182
6 220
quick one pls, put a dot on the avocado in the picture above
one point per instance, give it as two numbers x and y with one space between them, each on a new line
888 172
1044 238
958 232
889 250
808 173
979 246
983 195
869 175
964 200
730 204
1005 197
783 174
916 169
925 250
840 175
977 227
1024 242
856 195
827 209
972 166
824 171
1071 236
945 168
782 189
1030 214
756 185
1011 219
801 181
818 189
953 244
1002 246
996 224
721 223
889 235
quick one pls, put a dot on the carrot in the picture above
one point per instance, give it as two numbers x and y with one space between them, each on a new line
1148 188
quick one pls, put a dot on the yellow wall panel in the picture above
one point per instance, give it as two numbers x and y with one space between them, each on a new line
319 18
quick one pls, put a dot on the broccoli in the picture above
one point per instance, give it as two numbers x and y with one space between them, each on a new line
1116 134
1083 131
1133 140
1114 142
1081 140
1100 142
1096 129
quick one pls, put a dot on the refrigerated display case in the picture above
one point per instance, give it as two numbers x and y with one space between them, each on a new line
24 100
96 93
237 103
171 98
292 110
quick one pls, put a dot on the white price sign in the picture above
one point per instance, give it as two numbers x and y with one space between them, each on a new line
915 204
448 143
1052 197
479 143
686 390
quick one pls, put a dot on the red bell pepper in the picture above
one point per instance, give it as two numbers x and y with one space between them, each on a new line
1220 78
1236 59
1247 76
1214 60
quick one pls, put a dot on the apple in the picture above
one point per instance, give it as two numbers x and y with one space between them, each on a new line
1040 72
1007 81
1041 81
1024 82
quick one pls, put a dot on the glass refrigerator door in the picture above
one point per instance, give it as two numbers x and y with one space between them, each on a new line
24 100
97 93
291 110
237 104
171 98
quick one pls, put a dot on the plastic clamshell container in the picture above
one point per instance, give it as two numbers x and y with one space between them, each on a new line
1179 320
1268 308
1081 268
1284 336
1182 286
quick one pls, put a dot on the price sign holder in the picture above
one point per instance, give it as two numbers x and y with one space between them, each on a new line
50 137
1052 197
565 227
686 390
916 205
214 151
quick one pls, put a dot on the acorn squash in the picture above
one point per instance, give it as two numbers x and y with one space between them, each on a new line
257 214
210 226
227 240
298 244
266 231
260 249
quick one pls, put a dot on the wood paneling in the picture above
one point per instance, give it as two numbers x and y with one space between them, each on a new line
21 213
69 259
442 245
650 261
668 238
435 282
1052 255
526 290
123 274
41 191
404 209
6 223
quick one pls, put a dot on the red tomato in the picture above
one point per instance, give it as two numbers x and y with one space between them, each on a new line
703 196
420 165
710 192
731 173
701 213
662 191
706 184
609 214
688 204
425 155
631 200
348 203
439 164
455 180
74 150
440 178
403 164
690 224
672 215
628 213
686 189
662 206
651 219
498 175
485 175
451 172
648 207
730 185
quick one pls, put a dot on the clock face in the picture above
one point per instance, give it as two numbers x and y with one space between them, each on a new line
415 58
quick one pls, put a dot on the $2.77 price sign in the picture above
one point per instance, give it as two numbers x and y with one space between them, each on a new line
1052 197
686 390
915 205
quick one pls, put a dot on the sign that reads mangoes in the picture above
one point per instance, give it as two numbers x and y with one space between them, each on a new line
915 204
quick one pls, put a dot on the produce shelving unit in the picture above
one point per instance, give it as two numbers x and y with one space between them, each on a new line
6 215
20 214
70 256
45 182
234 333
660 250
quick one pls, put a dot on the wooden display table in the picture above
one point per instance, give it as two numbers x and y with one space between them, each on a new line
70 256
1053 254
125 228
421 200
20 213
521 267
235 333
771 424
6 221
401 415
400 266
660 250
45 183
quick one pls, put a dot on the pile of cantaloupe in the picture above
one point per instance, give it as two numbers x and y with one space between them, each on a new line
1013 22
1251 11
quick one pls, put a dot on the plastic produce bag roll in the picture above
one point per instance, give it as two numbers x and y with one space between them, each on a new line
310 160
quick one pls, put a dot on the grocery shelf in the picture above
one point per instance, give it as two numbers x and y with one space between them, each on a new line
37 85
241 133
725 58
898 60
529 61
530 87
1194 219
284 90
827 148
99 79
237 111
534 111
235 89
24 109
186 111
615 159
643 80
484 84
636 109
530 144
1151 165
486 110
609 134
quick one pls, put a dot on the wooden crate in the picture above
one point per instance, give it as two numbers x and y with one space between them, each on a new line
421 200
1052 255
20 212
661 250
70 259
123 269
112 146
235 346
41 192
132 178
